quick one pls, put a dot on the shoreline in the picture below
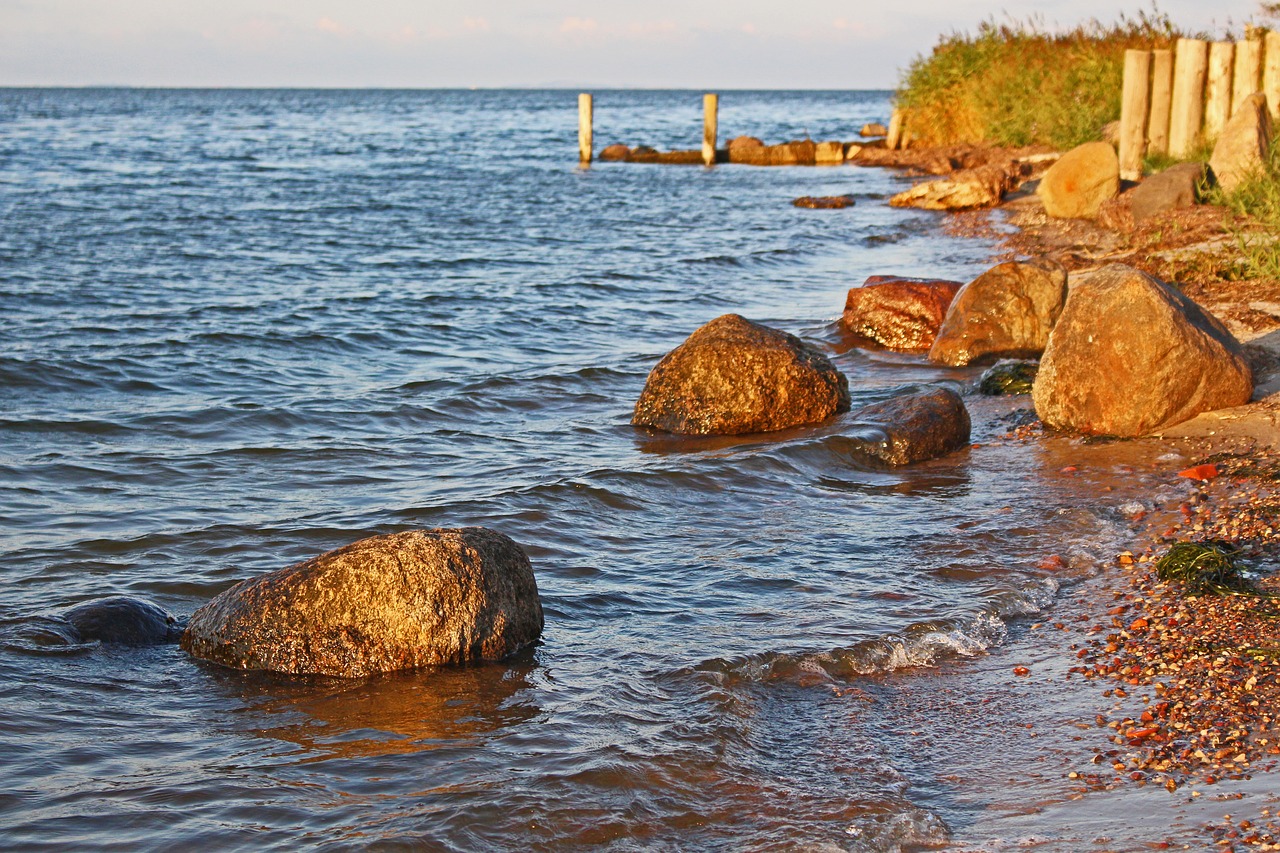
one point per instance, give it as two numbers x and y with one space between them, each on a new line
1174 707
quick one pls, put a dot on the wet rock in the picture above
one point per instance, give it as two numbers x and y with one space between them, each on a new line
617 151
798 153
824 202
1242 147
1008 377
828 153
1007 312
124 621
983 186
898 313
873 129
689 157
1082 179
733 376
917 427
743 142
403 601
1131 355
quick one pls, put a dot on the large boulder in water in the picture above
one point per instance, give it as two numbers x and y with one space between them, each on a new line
1131 355
1007 312
401 601
122 620
898 313
916 427
733 376
1076 186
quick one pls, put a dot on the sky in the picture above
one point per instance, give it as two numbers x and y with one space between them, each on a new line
698 44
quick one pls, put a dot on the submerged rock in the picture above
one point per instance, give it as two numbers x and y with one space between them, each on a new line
824 202
733 376
898 313
403 601
1131 355
124 621
1006 312
1008 377
1077 185
917 426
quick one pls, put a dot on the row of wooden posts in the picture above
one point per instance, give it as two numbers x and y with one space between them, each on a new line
710 119
1176 100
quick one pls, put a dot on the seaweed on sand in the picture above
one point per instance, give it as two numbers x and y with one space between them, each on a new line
1204 568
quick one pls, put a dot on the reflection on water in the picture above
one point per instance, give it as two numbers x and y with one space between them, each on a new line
392 714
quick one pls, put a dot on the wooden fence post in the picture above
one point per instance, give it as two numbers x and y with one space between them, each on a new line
584 128
1271 72
1161 98
1248 71
710 119
1217 95
894 137
1186 112
1134 105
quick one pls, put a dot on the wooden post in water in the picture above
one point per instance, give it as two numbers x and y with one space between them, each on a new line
1217 96
584 128
710 119
1271 71
1134 105
1248 71
1190 62
1161 98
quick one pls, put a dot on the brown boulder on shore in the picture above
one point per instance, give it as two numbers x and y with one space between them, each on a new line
983 186
1082 179
1007 312
898 313
1174 188
402 601
733 376
1242 147
1131 355
916 427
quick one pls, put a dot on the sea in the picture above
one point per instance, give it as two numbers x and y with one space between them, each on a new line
240 328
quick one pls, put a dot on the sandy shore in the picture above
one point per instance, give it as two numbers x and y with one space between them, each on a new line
1137 716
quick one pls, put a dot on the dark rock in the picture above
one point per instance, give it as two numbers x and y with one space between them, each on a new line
824 202
1082 179
403 601
1175 187
1243 146
617 151
1131 355
898 313
123 621
1008 377
733 376
917 426
1007 312
970 189
669 158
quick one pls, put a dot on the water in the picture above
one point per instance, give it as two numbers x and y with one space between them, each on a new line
241 328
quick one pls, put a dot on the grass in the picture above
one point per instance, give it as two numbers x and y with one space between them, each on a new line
1018 84
1203 568
1254 218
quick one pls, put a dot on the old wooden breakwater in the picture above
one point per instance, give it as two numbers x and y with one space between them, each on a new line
745 150
1175 101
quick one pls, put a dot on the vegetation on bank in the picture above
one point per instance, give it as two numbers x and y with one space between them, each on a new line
1254 209
1019 84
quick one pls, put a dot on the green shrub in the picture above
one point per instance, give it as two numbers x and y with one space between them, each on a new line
1254 218
1018 84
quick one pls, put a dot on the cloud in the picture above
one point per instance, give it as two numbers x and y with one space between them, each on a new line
329 25
476 25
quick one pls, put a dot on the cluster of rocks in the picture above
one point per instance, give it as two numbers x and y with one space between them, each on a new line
1084 183
752 151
